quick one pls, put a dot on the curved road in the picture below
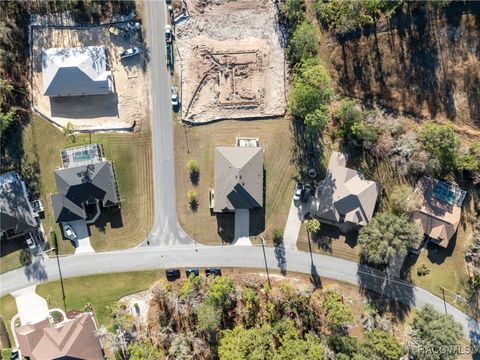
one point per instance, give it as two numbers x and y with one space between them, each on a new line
166 231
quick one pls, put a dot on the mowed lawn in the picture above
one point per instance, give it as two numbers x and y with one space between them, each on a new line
80 291
131 156
198 143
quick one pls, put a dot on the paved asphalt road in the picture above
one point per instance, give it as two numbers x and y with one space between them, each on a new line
166 232
318 266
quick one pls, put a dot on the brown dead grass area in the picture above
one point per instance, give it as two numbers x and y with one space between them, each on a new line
421 65
198 143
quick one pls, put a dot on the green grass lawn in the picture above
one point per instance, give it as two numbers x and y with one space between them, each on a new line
131 157
88 289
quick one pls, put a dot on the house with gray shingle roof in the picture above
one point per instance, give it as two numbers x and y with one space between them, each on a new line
345 198
238 182
85 184
76 71
16 214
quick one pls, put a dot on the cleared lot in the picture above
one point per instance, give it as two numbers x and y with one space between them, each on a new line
119 110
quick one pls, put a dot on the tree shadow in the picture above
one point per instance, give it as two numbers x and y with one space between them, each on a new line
280 256
398 295
36 271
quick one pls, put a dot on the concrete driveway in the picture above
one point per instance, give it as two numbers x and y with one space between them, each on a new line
82 243
242 227
31 307
294 222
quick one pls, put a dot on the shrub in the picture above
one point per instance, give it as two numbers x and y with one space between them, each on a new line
193 166
312 226
303 43
192 198
277 236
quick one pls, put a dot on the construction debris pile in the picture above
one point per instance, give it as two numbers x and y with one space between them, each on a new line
232 61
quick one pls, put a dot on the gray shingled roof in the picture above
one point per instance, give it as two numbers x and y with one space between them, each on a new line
345 194
75 71
15 211
83 184
238 182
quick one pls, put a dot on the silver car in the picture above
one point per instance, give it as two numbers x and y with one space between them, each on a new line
68 231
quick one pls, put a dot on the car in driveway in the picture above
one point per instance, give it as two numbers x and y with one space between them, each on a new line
129 52
298 191
307 190
30 239
191 271
213 271
68 231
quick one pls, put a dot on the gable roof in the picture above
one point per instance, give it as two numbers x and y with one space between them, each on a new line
345 195
73 338
15 210
75 71
436 218
83 184
238 182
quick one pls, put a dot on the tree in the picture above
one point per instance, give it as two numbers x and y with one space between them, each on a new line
209 317
68 132
277 236
467 162
312 226
144 350
221 293
386 236
303 43
379 345
349 115
251 307
192 197
311 88
365 132
433 330
401 199
338 314
441 142
293 11
193 166
317 120
6 120
240 343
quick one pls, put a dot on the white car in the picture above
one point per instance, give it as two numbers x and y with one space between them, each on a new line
68 231
168 34
30 241
298 191
129 52
174 96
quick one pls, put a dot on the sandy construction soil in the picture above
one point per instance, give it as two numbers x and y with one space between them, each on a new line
232 60
116 111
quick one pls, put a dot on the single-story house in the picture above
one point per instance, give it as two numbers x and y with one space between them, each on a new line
17 216
71 339
85 184
345 198
76 71
238 182
438 209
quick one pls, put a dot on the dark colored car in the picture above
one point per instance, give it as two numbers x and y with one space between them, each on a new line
213 271
172 274
193 271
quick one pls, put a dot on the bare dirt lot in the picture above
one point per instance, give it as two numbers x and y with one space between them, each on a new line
232 60
120 110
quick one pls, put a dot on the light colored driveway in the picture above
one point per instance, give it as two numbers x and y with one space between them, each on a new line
31 307
242 227
294 222
82 242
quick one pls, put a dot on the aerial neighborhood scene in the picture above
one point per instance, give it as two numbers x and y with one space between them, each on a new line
240 179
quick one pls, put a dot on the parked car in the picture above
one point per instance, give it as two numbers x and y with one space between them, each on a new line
193 271
68 231
174 96
168 34
172 274
298 191
30 239
213 271
129 52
